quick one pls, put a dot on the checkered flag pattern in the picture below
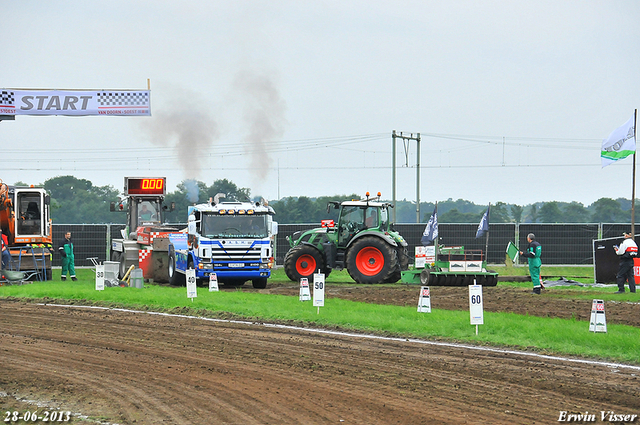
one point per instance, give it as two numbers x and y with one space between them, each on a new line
7 98
125 99
143 254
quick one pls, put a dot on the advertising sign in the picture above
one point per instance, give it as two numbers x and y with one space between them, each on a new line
75 102
213 282
305 295
424 303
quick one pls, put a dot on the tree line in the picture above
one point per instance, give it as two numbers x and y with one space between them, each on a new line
76 201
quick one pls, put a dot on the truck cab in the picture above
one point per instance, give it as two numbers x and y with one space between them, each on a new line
234 240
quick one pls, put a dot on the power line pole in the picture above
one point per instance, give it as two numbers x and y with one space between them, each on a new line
395 136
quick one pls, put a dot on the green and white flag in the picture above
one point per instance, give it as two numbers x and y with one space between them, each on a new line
620 144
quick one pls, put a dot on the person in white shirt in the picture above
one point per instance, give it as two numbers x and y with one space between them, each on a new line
627 251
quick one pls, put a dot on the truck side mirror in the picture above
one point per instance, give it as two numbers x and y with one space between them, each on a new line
112 206
191 227
274 227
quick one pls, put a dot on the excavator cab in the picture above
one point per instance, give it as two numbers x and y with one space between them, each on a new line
32 215
25 220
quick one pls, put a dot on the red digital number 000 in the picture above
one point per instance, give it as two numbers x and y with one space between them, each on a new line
152 184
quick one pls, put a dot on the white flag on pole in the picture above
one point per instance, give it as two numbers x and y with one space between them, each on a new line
620 144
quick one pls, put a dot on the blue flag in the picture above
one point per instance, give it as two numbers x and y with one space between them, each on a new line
483 227
431 231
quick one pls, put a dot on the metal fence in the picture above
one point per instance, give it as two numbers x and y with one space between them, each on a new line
566 244
89 240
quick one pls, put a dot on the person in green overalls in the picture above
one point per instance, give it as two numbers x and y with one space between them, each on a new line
532 254
66 252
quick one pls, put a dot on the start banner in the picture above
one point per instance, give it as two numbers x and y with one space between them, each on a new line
75 102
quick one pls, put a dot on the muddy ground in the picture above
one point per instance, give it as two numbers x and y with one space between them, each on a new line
135 368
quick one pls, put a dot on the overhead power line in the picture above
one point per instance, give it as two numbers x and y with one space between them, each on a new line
134 157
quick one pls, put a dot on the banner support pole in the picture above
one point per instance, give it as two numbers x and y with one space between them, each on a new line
633 179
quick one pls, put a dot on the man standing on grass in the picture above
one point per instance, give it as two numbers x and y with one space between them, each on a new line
66 252
533 254
627 251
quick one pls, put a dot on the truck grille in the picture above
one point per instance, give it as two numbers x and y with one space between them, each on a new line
232 253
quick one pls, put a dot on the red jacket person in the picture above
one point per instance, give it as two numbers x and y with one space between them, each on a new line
627 251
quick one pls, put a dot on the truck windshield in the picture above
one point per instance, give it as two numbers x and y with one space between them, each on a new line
234 226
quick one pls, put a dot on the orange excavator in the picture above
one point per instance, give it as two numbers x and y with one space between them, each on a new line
25 220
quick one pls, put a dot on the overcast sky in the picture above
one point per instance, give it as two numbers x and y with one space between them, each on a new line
298 98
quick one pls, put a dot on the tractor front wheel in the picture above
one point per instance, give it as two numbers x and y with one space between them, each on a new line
303 261
371 260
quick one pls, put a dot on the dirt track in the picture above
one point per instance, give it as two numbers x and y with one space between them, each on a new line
146 369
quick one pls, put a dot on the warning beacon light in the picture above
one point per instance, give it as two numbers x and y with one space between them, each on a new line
145 186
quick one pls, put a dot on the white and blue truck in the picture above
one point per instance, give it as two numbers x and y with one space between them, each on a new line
234 240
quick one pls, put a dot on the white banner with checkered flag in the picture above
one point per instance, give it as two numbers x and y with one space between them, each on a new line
75 102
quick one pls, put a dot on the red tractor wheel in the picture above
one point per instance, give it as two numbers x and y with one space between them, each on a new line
303 261
371 260
305 264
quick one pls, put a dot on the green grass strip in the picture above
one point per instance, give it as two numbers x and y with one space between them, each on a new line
549 335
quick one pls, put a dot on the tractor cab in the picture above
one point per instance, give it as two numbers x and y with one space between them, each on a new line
358 216
147 212
143 203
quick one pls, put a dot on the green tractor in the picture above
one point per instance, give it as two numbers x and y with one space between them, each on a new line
363 242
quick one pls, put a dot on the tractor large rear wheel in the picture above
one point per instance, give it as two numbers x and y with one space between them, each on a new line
371 260
303 261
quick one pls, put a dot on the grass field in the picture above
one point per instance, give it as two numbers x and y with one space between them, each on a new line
549 335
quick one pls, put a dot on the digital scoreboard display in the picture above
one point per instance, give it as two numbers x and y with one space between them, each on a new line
145 185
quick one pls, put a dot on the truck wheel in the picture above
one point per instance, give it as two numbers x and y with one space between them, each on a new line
371 260
175 278
302 261
259 283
